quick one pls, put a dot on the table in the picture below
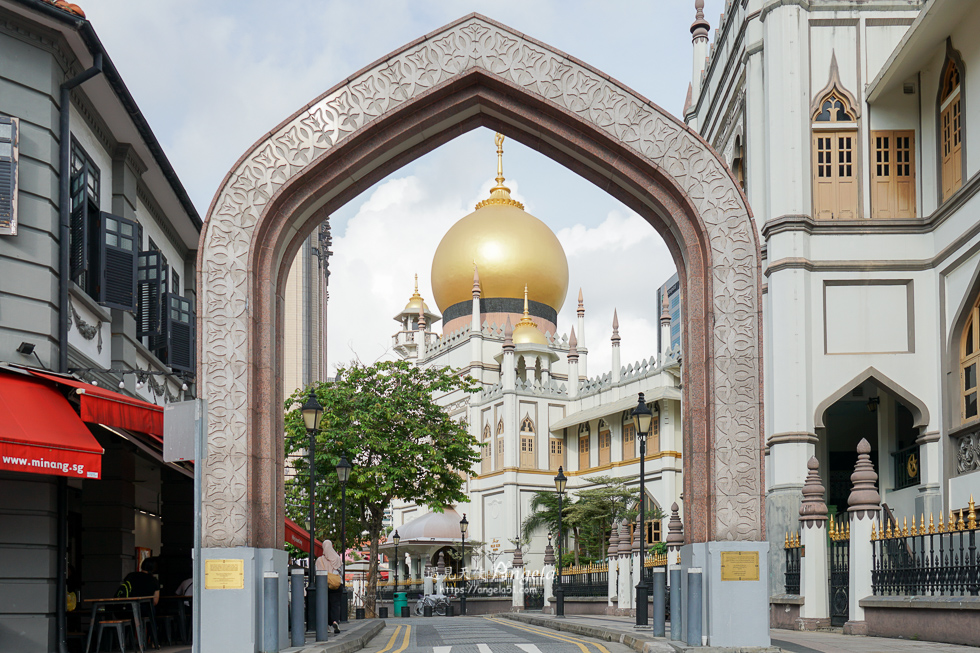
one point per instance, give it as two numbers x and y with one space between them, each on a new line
134 604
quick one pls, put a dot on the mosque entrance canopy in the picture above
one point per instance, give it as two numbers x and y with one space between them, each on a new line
477 73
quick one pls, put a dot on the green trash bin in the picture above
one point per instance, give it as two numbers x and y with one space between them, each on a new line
401 601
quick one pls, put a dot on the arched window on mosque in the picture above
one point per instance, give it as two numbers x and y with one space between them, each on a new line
605 443
486 451
951 128
969 361
584 435
527 443
556 453
653 518
629 436
500 445
835 170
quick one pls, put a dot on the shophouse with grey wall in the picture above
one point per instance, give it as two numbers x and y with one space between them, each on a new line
98 242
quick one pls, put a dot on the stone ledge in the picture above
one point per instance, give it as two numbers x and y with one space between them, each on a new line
364 635
586 599
786 599
922 602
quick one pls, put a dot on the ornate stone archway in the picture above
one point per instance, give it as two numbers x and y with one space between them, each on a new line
472 73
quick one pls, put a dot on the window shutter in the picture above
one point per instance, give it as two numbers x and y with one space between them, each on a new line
79 229
151 287
8 176
181 327
119 243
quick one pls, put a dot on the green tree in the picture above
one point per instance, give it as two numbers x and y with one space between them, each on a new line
544 514
400 442
609 500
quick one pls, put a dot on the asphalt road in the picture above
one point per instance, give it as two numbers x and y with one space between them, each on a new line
480 635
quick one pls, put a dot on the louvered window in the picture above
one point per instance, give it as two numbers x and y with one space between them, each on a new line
151 282
119 240
179 353
8 175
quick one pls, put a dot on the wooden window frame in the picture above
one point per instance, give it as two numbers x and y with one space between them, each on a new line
893 174
835 120
629 441
486 450
968 358
499 438
605 443
556 453
527 451
951 127
584 449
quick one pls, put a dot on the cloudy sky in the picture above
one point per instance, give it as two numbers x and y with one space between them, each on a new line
212 77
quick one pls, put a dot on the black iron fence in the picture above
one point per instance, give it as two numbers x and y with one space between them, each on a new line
533 591
927 560
496 585
840 570
590 580
793 549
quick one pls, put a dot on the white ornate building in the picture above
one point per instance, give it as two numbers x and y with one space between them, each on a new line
849 126
500 277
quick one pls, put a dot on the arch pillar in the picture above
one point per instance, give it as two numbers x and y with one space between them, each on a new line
469 74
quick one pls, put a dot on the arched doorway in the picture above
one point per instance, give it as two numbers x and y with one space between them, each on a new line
473 73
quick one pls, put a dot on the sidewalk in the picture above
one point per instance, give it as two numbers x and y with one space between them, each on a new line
620 629
354 635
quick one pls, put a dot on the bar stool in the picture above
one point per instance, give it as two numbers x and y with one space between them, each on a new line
120 626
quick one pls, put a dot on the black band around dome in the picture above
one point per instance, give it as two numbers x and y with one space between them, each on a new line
501 305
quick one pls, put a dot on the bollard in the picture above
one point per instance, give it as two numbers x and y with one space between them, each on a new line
693 629
450 610
358 613
642 597
426 610
297 624
322 622
383 612
676 614
405 612
659 602
270 613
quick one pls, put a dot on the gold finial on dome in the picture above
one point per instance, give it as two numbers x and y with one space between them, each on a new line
499 194
527 330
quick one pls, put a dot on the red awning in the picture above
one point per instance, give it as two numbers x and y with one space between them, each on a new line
101 406
300 538
41 433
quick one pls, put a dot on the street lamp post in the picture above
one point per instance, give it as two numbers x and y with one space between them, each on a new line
312 412
642 419
396 540
343 474
560 482
463 526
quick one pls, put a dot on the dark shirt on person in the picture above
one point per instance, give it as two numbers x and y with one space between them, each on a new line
142 584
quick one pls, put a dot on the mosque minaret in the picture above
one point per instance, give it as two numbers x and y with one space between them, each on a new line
499 279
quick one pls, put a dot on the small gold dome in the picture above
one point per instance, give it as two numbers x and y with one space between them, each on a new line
510 247
415 302
527 332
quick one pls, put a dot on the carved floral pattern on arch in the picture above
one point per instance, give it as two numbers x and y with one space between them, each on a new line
475 43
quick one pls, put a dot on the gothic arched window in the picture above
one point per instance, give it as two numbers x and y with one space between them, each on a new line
969 362
835 171
951 128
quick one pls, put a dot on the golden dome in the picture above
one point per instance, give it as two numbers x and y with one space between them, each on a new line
415 301
526 332
511 248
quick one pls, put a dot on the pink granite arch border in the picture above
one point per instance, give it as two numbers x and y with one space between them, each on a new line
472 73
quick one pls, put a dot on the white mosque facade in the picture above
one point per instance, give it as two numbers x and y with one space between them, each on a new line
500 278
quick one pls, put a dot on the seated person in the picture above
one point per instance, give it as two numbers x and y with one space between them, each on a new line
143 582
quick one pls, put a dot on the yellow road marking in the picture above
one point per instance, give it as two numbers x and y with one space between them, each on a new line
408 635
391 642
563 637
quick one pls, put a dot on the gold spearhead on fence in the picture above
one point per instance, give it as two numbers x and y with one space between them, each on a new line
905 526
915 531
972 515
922 523
932 525
786 544
888 535
874 533
961 525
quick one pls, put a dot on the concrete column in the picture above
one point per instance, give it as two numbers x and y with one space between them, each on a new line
636 562
517 578
929 499
508 365
664 328
814 572
699 38
612 554
548 571
476 330
625 566
864 505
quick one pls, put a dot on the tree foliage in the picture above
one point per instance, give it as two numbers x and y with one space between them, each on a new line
400 443
589 514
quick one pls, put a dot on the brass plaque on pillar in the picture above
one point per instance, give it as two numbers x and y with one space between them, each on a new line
740 565
224 574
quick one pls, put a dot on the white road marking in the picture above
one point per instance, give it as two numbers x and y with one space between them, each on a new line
483 648
529 648
441 649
